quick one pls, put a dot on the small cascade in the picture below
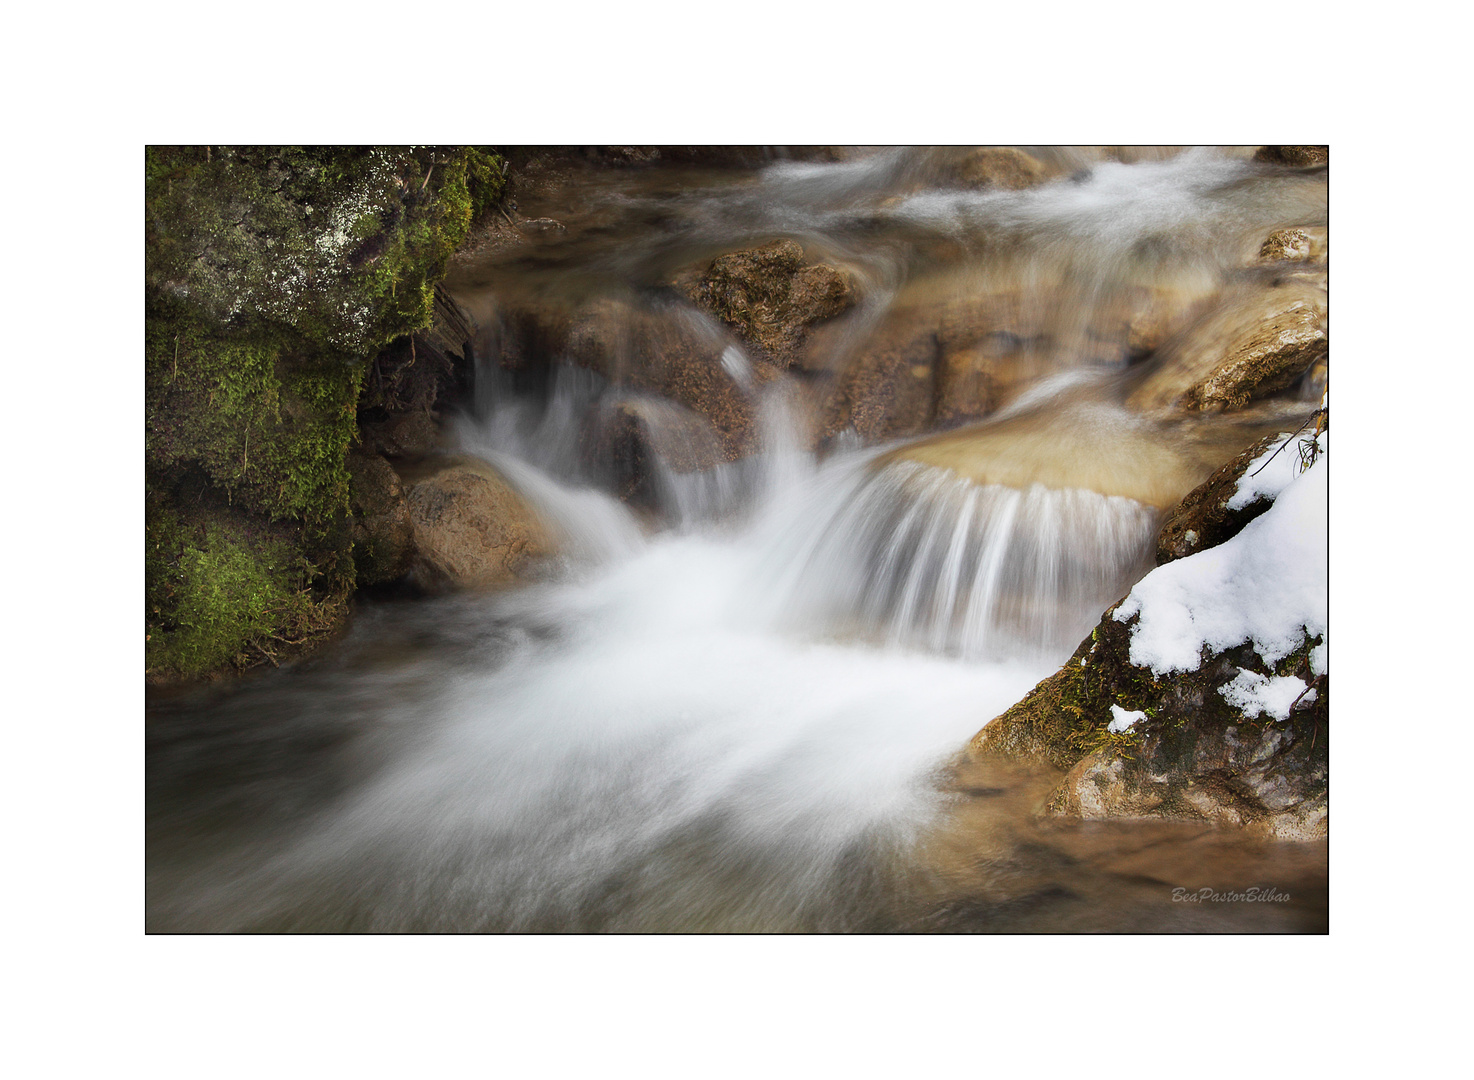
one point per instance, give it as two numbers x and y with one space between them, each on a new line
919 557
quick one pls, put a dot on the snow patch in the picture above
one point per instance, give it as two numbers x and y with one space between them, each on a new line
1252 694
1267 585
1319 660
1123 719
1267 475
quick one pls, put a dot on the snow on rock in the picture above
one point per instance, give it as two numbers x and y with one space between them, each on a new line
1252 694
1272 471
1267 585
1122 719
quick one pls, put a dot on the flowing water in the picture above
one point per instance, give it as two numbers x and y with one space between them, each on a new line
737 702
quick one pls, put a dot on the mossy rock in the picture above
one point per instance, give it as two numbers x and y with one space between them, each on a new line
341 245
274 276
225 592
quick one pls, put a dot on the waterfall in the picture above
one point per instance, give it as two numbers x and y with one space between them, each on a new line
729 704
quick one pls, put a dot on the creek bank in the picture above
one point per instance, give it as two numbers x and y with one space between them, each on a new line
276 278
1237 734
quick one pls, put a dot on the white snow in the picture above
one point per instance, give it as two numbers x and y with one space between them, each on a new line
1267 585
1122 719
1253 693
1319 662
1272 471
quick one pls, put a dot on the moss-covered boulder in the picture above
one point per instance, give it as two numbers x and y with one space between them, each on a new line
273 278
1237 735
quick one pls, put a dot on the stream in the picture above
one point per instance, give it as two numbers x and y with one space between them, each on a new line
737 703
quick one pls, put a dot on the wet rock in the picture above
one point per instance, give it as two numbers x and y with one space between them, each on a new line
1195 753
397 409
630 441
1304 244
770 299
668 350
1203 519
401 435
383 534
1257 341
1297 156
1002 167
471 529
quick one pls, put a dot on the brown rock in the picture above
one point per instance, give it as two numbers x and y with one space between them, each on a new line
1298 156
1306 244
669 351
968 384
402 435
1257 341
624 440
1193 756
1001 167
471 529
1202 519
769 298
1098 787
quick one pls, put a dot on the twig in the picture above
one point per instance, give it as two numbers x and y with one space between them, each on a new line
1287 441
1309 687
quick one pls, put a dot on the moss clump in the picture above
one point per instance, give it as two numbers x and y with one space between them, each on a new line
223 594
273 277
1066 716
267 421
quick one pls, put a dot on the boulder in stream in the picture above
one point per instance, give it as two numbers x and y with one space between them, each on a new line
1258 340
471 528
769 297
1236 733
1003 167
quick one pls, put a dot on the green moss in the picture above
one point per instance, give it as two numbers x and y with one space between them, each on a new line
341 245
269 424
274 275
219 594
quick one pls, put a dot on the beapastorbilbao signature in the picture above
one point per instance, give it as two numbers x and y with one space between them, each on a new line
1213 896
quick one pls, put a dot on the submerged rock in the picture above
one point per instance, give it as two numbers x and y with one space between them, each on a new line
629 441
471 529
665 349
